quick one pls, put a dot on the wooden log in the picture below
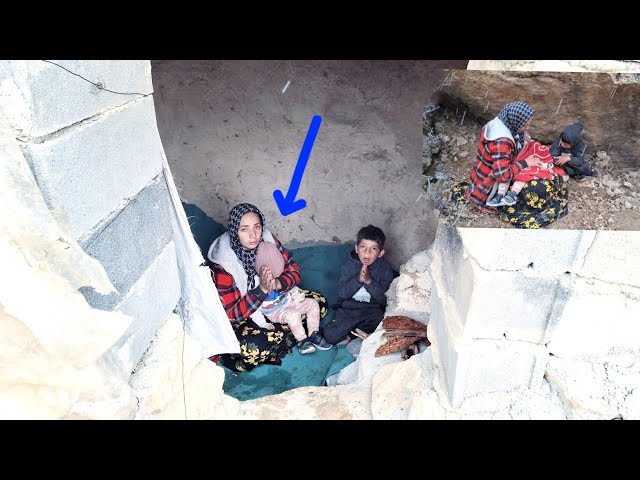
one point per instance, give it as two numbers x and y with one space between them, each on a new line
404 333
395 344
402 323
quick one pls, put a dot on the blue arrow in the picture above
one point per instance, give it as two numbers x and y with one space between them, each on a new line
288 204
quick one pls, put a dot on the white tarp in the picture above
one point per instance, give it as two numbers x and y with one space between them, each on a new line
200 307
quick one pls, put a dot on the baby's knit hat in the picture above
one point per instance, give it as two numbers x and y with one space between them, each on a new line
268 255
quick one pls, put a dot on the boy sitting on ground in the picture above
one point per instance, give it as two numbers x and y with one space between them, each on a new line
568 153
364 280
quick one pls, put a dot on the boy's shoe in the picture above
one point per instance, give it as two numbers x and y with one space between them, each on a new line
305 346
319 341
509 199
580 178
495 200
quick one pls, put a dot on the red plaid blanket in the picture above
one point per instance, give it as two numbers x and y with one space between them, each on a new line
548 172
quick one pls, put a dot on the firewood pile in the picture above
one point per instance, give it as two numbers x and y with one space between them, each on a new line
402 334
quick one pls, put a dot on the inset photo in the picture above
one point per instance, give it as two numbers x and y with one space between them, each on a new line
510 149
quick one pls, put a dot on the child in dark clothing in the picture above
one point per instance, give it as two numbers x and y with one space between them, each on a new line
365 278
568 153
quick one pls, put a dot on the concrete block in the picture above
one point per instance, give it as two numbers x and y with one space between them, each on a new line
492 304
597 317
508 305
544 253
614 256
150 302
130 242
442 335
52 98
471 367
564 290
451 273
91 170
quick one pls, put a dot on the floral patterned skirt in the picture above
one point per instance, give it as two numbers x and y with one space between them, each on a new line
540 202
259 345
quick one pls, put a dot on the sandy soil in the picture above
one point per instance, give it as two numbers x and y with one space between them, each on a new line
610 201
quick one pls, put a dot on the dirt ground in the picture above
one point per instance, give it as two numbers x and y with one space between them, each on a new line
233 131
610 201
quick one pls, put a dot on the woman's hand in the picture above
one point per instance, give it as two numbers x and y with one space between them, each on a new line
561 160
267 282
270 326
533 161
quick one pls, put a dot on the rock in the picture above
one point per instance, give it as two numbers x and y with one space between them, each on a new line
559 100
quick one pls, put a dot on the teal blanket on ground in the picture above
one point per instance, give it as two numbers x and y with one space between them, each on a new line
320 268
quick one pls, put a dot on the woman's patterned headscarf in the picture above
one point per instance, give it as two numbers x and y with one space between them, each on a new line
246 256
515 115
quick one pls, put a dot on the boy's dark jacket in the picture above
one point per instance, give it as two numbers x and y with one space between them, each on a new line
381 275
577 145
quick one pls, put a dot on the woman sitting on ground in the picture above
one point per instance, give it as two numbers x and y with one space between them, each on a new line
243 290
540 202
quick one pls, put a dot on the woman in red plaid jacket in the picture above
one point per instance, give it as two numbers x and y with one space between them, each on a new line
242 290
497 151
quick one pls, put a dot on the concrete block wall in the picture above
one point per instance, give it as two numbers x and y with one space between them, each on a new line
504 299
150 301
41 98
473 366
96 157
90 171
598 317
614 257
547 253
142 229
